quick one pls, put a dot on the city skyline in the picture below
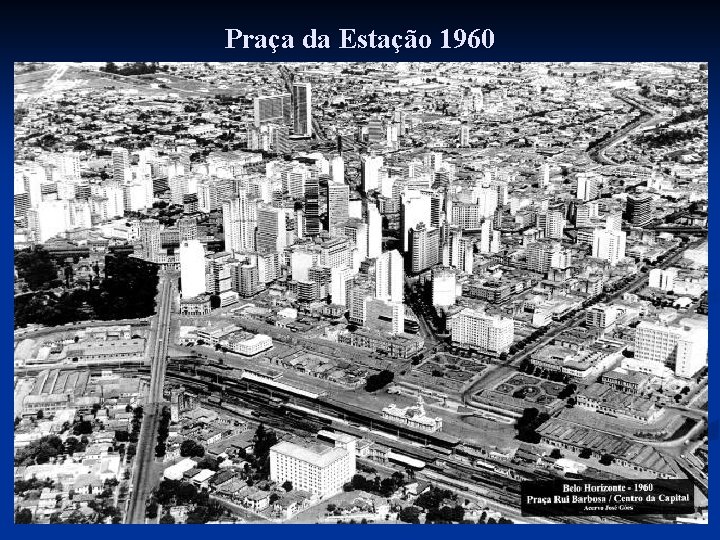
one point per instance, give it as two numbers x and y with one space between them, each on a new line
267 284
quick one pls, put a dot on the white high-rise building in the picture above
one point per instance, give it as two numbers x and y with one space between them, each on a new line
120 164
663 278
486 197
588 186
491 333
239 222
338 199
370 168
414 209
464 136
444 287
339 280
271 227
389 276
301 261
192 268
80 214
609 245
545 175
486 231
682 347
337 169
374 234
115 200
320 470
554 225
49 218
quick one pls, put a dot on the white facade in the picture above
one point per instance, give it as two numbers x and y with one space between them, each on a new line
370 167
444 287
663 279
415 209
477 329
192 268
609 245
339 278
374 247
239 221
389 276
320 470
681 347
49 219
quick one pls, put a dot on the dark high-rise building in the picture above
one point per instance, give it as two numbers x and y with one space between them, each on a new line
338 198
312 206
302 103
424 248
273 109
639 209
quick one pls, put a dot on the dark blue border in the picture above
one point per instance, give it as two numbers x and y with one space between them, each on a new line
542 31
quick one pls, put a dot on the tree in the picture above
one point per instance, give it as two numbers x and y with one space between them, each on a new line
152 509
189 448
379 380
555 454
84 427
606 459
287 485
72 445
40 415
23 516
167 519
585 453
410 514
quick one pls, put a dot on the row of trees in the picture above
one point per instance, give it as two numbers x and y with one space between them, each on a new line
134 68
384 488
163 431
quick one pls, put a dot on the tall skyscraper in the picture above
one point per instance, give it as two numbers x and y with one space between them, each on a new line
302 109
609 245
639 209
464 135
376 130
312 206
415 208
340 279
588 186
554 224
374 231
337 169
545 175
424 248
271 236
192 268
370 172
150 238
49 218
273 109
239 221
338 198
444 287
389 276
121 164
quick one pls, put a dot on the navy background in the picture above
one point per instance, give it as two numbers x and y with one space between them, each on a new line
182 31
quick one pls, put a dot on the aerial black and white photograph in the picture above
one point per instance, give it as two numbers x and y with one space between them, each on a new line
369 293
